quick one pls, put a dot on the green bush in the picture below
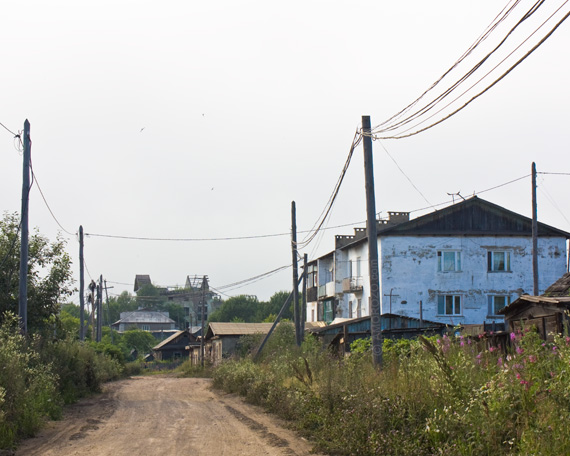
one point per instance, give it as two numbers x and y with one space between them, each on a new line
438 395
28 389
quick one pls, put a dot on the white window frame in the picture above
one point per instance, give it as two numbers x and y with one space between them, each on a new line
442 302
441 260
492 309
491 261
146 327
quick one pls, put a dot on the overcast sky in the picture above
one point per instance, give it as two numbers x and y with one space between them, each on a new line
206 119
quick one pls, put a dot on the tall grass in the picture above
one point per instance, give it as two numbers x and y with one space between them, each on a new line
38 375
452 396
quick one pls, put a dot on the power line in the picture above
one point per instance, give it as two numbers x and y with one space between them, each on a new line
328 207
16 135
405 175
46 203
377 132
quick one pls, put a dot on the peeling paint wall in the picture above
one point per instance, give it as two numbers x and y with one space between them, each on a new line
409 266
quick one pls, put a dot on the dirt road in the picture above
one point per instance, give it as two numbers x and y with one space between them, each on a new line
161 415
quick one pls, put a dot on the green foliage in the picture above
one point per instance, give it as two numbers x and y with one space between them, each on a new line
28 388
139 340
361 346
187 369
38 375
49 273
246 308
439 395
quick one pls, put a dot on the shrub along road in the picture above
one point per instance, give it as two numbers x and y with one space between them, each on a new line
164 415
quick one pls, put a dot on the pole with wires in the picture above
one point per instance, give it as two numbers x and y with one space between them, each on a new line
535 290
81 287
372 234
23 290
295 274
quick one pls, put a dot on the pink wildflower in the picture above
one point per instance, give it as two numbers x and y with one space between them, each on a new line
492 349
520 350
500 362
513 336
567 340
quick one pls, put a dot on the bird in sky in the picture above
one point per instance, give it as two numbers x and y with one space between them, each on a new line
142 129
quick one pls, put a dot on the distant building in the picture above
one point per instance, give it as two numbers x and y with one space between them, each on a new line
144 319
190 297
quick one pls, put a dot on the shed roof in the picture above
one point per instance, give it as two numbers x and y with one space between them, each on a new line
172 338
559 288
237 329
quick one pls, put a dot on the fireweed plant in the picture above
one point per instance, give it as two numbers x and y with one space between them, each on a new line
451 395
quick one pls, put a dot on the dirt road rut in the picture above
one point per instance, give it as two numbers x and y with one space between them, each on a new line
162 415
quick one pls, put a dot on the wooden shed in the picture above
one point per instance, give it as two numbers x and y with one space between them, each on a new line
548 312
175 347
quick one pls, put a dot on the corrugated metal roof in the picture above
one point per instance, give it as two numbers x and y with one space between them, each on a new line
144 316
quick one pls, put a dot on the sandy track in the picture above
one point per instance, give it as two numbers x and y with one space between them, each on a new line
161 415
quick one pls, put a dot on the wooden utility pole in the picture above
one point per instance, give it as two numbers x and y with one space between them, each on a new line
372 234
100 309
304 308
81 287
535 290
294 255
203 298
23 291
108 310
92 288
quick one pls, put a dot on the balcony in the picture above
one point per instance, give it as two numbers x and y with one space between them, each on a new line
326 291
352 284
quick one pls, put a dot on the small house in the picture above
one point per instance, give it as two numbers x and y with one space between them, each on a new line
175 347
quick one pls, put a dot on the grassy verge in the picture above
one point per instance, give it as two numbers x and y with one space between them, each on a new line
452 396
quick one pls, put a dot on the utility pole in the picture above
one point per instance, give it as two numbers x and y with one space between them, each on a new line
92 288
204 288
372 234
534 234
23 291
108 310
304 308
395 296
99 309
295 274
81 287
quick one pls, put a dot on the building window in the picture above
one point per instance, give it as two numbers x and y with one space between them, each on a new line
328 311
448 261
359 309
449 305
311 276
349 309
146 327
496 303
498 261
